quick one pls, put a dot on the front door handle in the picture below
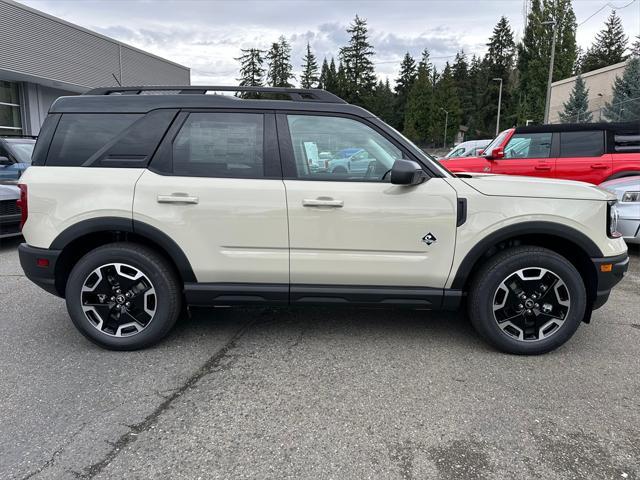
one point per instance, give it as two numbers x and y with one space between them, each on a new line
322 202
177 198
543 167
598 166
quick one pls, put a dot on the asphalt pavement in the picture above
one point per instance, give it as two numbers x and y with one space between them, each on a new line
314 393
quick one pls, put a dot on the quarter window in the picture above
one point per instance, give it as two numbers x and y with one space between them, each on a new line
79 136
528 145
336 148
581 144
220 145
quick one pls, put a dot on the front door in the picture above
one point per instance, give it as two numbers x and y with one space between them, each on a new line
526 154
354 228
217 191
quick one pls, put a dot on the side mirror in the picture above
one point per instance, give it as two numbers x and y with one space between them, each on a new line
407 172
496 154
480 152
4 161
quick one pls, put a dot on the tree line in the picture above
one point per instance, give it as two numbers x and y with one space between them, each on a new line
465 91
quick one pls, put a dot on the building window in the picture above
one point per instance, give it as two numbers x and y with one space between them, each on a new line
10 119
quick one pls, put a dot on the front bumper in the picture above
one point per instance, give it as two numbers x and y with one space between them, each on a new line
608 277
33 261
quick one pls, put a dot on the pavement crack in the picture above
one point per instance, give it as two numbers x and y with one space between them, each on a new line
52 460
150 420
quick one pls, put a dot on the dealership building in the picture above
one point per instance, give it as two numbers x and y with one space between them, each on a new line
43 57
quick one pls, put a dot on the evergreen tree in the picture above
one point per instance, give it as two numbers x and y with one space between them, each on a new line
309 78
251 70
419 108
280 68
609 45
382 102
576 109
534 54
342 85
445 98
462 79
359 74
625 104
498 63
404 82
334 82
324 75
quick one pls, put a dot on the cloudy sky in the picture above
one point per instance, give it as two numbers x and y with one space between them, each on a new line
207 35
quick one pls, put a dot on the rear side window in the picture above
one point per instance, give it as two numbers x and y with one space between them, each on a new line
79 136
220 145
581 144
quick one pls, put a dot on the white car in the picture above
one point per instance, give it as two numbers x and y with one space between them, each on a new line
137 204
627 190
471 148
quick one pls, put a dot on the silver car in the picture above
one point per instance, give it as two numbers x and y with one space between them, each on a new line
627 190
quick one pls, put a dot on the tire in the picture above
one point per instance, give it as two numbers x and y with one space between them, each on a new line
553 305
144 311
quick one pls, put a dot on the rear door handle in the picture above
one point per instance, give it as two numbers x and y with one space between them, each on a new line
177 198
598 166
542 167
322 202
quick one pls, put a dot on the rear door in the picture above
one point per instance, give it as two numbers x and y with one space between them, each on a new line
526 154
215 187
355 229
582 157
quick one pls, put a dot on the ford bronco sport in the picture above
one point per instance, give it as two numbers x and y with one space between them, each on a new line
143 199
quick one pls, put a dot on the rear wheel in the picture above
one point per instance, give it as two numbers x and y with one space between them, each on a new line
527 300
123 296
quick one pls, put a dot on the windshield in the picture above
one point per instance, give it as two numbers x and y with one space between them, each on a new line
21 148
495 142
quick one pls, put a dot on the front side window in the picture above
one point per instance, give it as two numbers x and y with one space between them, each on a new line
581 144
528 145
220 145
336 148
455 153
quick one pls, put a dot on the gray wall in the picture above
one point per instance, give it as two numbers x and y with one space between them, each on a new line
39 45
36 100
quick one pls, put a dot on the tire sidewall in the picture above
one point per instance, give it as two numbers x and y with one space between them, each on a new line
488 283
161 323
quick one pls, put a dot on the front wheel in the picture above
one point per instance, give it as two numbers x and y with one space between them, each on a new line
123 296
527 300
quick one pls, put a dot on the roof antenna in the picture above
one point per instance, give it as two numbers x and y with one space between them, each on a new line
116 79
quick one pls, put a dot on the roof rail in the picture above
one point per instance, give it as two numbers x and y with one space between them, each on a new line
297 94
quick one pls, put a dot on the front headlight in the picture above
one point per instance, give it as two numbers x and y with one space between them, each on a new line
612 220
631 197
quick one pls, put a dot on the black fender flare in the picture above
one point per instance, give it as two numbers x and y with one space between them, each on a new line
518 230
128 225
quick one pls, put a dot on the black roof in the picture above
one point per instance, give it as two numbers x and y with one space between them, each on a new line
145 99
615 127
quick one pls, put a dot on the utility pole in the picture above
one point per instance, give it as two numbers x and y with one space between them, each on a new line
553 54
446 121
499 104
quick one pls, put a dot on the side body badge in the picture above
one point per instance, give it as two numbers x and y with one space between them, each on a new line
429 238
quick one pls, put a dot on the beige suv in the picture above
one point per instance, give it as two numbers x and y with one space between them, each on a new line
143 199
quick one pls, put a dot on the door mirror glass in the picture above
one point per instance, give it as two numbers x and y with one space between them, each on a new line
4 161
407 172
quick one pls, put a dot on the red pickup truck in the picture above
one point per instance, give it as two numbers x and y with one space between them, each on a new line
590 152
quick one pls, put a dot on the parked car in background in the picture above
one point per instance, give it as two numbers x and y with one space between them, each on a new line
471 148
628 192
15 156
9 211
589 152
